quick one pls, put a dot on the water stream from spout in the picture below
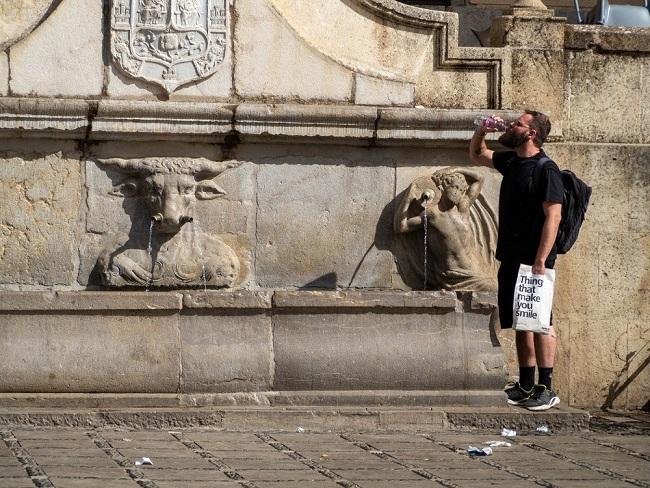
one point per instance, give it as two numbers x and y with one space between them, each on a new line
196 233
150 252
426 225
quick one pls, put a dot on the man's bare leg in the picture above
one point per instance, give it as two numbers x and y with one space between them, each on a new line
525 348
545 346
526 358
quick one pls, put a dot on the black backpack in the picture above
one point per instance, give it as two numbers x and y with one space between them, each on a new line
574 207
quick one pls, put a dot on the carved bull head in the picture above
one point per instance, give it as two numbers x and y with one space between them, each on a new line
170 186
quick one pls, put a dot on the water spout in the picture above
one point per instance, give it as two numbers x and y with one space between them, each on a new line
150 248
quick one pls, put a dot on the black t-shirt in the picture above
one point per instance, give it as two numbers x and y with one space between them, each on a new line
521 214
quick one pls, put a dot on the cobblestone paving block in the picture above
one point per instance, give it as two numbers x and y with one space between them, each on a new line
89 483
198 484
297 484
21 482
184 474
15 471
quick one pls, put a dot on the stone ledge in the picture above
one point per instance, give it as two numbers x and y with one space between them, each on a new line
315 398
24 301
311 419
340 121
212 122
611 39
42 116
426 124
365 299
241 299
173 120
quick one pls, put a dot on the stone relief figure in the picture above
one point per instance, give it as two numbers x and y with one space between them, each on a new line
460 230
177 253
189 12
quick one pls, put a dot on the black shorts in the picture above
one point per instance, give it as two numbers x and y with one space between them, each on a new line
507 279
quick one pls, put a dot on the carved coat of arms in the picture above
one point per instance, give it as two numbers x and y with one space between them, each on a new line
169 42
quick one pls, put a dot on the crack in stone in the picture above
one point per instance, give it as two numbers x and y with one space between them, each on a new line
389 457
328 473
212 459
34 471
136 475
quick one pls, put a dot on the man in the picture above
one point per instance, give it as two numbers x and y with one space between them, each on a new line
530 205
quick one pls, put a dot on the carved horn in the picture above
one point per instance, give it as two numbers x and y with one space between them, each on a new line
204 168
127 165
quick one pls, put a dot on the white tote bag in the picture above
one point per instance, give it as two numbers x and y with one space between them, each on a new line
533 301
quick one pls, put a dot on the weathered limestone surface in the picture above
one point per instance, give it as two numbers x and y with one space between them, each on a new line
19 17
226 353
39 214
99 353
284 66
4 74
605 96
357 351
42 66
375 91
308 236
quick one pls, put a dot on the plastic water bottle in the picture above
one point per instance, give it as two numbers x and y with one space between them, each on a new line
491 122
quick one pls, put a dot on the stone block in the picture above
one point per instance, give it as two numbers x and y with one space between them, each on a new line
46 68
239 299
638 374
485 366
112 352
283 66
471 19
438 300
377 91
529 32
429 125
639 188
155 120
39 235
49 118
454 89
19 17
621 276
308 236
378 350
598 350
226 353
88 300
542 72
305 120
604 97
4 74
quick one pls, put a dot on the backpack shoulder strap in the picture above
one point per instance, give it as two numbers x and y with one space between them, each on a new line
538 168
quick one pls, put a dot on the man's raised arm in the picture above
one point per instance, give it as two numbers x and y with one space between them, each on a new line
478 151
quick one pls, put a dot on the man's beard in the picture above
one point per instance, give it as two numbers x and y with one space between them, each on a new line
512 140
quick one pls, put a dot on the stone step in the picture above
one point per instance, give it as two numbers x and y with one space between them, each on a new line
307 418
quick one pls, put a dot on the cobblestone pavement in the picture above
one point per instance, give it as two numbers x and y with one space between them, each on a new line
67 458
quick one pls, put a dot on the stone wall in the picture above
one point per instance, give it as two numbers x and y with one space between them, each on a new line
331 114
